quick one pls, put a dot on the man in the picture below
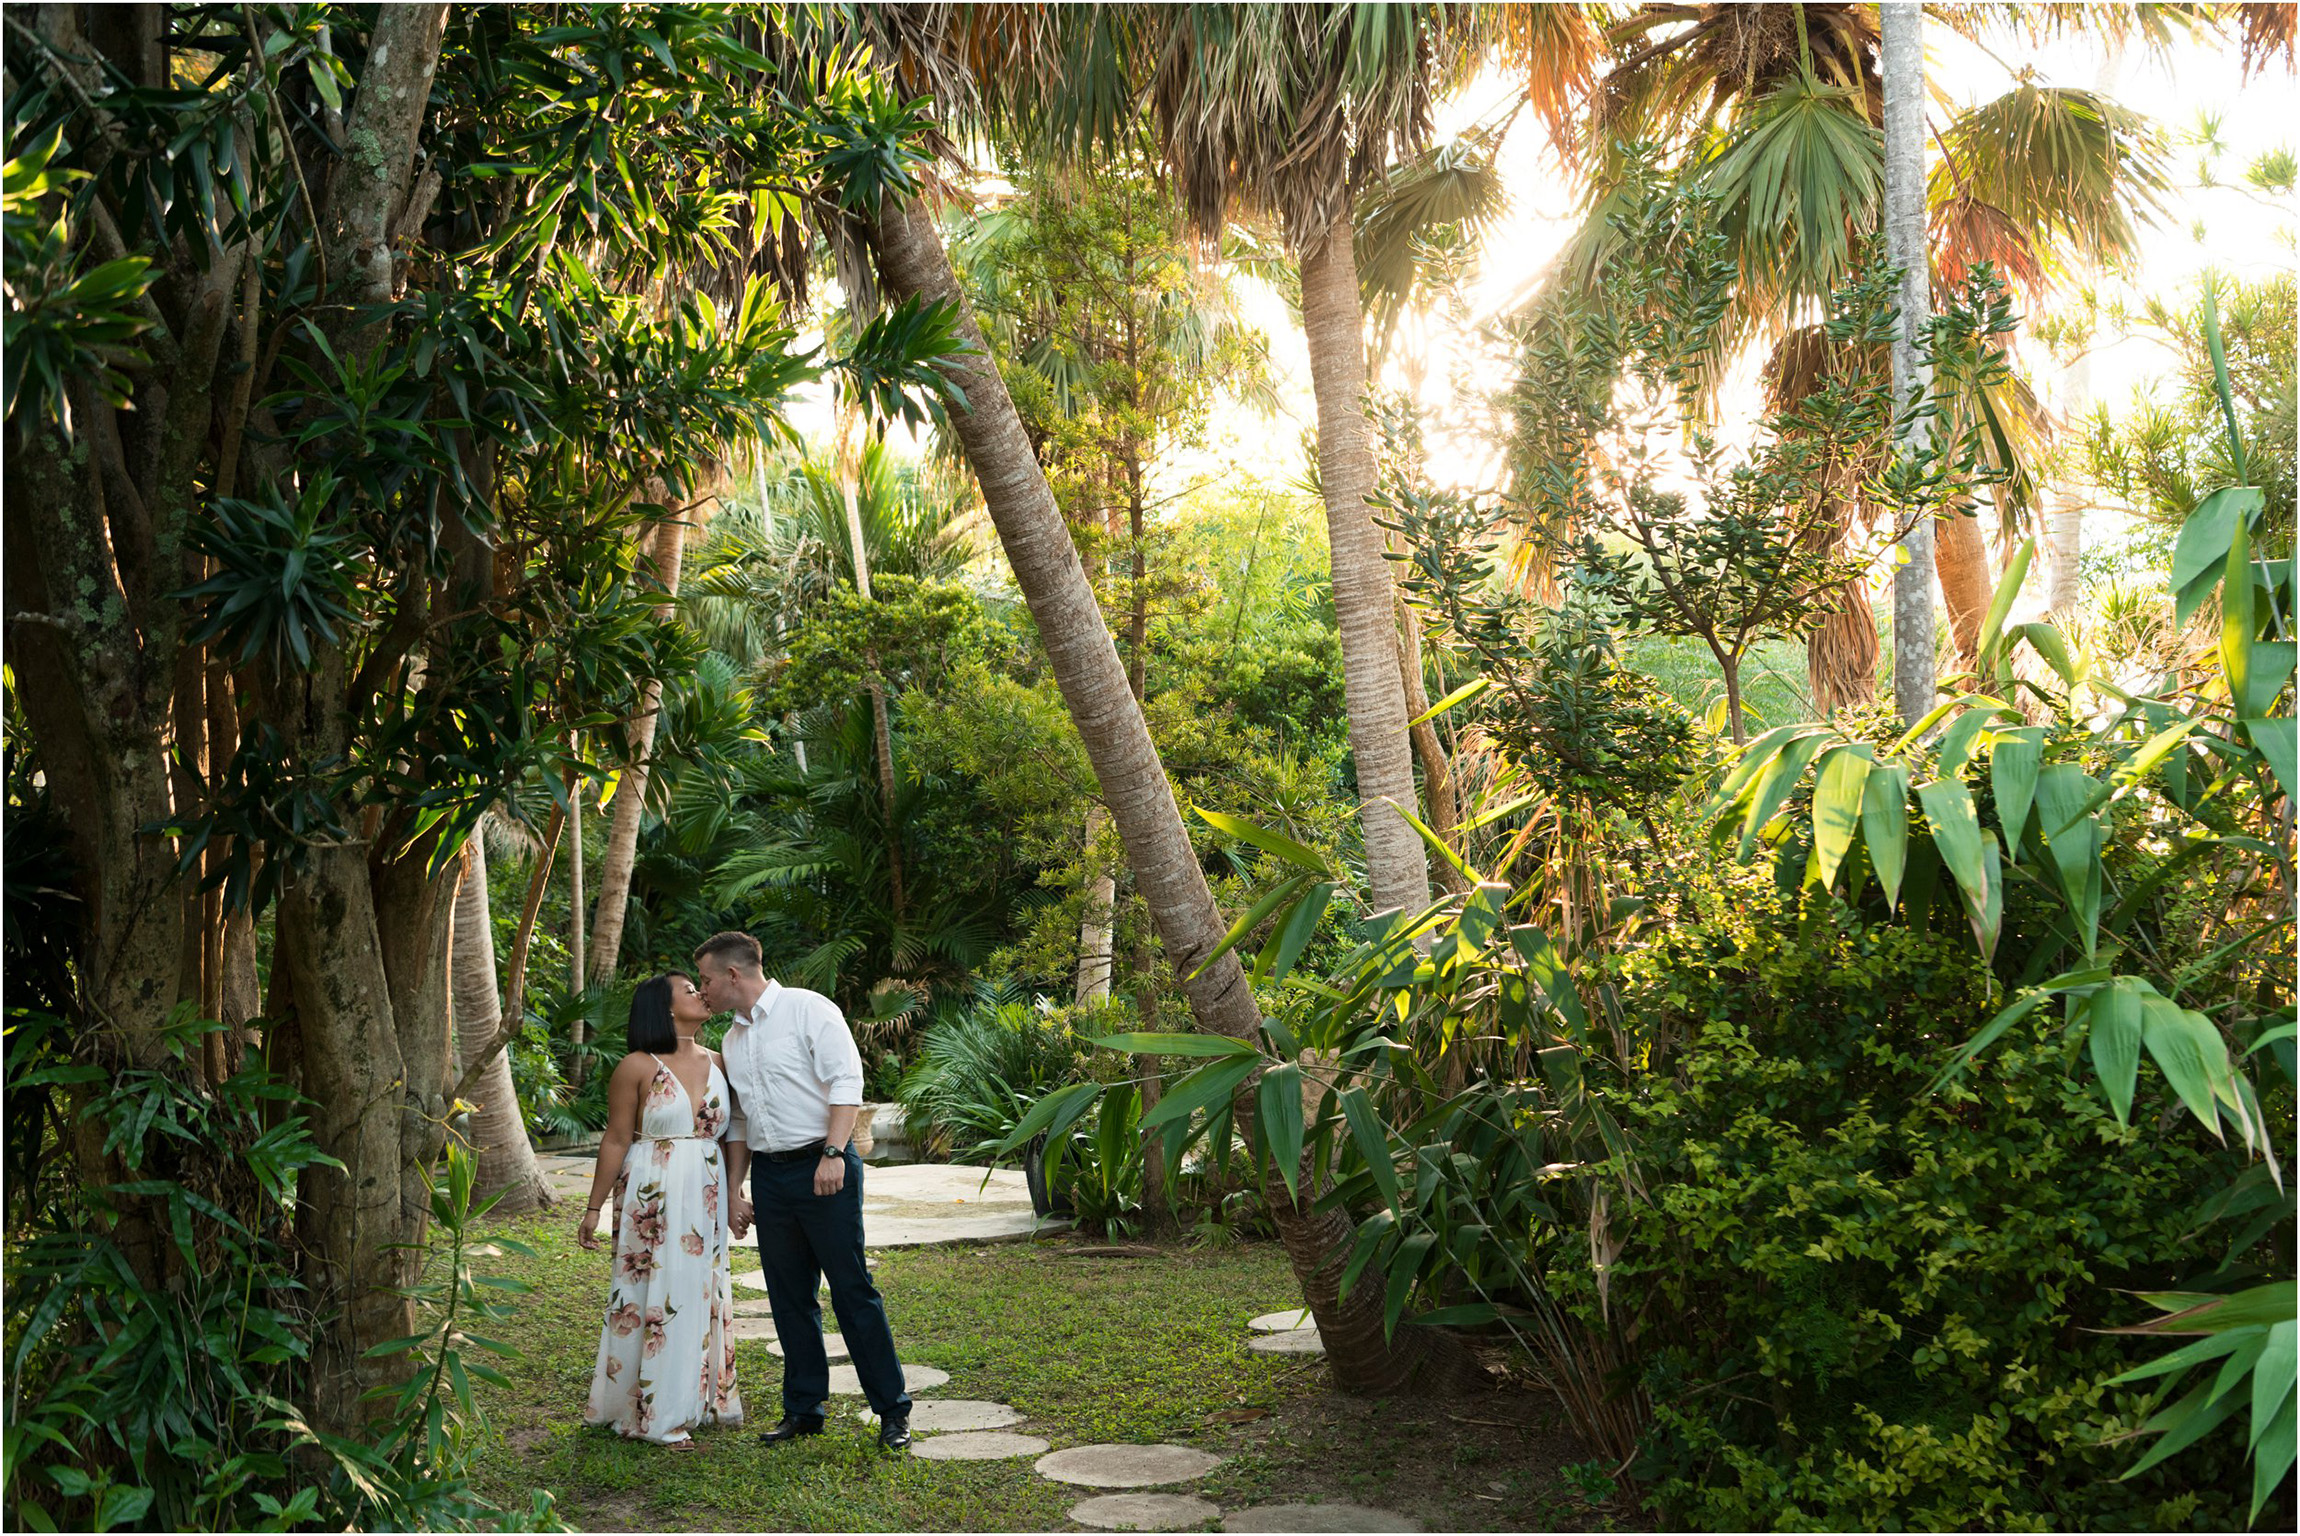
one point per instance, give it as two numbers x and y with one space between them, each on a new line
798 1085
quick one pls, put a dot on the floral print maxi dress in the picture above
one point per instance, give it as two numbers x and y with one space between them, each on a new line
666 1362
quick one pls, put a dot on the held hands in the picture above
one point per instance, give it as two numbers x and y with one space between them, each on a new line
830 1175
739 1214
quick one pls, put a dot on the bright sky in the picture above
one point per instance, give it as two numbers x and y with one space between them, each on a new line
2234 228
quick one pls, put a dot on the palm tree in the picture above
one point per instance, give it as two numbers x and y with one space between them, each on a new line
498 1129
1777 110
1903 52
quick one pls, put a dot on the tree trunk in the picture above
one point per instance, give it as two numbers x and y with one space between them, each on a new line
1094 928
1437 773
912 264
1902 61
882 732
1961 560
575 893
1365 599
515 986
506 1158
630 804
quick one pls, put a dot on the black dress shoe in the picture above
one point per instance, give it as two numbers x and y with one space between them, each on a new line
792 1429
894 1434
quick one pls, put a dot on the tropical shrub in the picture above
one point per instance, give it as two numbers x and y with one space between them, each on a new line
974 1076
1860 1305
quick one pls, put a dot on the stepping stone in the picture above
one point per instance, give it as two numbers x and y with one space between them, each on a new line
947 1415
754 1306
1126 1466
751 1328
756 1279
1294 1341
980 1445
1144 1512
918 1378
1281 1322
1316 1517
834 1347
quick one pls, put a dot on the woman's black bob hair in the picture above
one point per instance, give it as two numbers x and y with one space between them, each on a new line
651 1029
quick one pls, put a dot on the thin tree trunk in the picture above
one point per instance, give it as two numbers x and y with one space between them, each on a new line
630 804
1365 599
575 895
882 734
1902 59
1437 774
515 987
913 264
505 1156
1094 928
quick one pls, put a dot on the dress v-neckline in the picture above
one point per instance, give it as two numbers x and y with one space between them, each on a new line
664 1067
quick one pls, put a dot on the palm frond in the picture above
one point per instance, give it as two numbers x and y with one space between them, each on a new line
1450 186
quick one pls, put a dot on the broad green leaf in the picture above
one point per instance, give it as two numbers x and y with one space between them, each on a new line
2013 765
2275 740
1958 741
2181 1426
1957 835
1885 826
1280 1098
1461 695
1371 1231
2267 668
1753 758
1249 919
1269 842
2212 1347
2274 1373
1149 1044
2052 646
1211 1085
1065 1103
1437 844
1837 808
1992 627
1295 933
2114 1012
2189 1052
2200 554
1373 1142
2237 626
1773 786
2272 1454
1405 1266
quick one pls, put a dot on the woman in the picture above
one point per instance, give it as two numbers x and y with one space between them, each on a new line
666 1363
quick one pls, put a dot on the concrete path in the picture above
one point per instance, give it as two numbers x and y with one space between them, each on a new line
914 1205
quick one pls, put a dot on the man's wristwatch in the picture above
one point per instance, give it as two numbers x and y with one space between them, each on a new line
830 1152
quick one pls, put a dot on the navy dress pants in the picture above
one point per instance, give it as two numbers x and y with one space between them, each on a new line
805 1238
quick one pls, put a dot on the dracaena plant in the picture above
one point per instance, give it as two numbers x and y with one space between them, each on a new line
2059 843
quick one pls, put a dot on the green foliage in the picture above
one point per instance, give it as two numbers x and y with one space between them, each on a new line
66 316
175 1408
975 1075
1863 1305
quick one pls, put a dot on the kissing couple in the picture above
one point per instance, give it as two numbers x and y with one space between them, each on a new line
686 1127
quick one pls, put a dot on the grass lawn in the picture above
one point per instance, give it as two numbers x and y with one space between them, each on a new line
1087 1348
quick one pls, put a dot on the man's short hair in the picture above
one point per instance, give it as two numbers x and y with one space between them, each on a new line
737 951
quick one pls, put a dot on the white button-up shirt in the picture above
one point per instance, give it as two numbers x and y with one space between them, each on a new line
789 1060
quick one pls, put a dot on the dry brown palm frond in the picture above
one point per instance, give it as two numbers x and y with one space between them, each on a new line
1557 49
2268 31
1708 56
1966 232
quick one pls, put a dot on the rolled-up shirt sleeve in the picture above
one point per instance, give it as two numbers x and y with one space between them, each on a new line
838 1064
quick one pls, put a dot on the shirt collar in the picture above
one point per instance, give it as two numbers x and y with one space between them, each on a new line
765 1004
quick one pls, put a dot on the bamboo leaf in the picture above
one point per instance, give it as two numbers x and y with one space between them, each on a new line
1149 1044
2013 765
1837 808
1957 834
1373 1142
2114 1012
1280 1096
1885 826
2190 1054
1261 837
1209 1086
1461 695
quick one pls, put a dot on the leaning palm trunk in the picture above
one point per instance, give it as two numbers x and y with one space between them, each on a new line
1437 776
912 264
1365 599
631 790
499 1142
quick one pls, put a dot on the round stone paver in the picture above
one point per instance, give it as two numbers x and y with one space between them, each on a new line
834 1347
754 1306
954 1415
977 1445
756 1279
917 1378
1281 1322
1294 1341
751 1328
1316 1517
1144 1512
1126 1466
